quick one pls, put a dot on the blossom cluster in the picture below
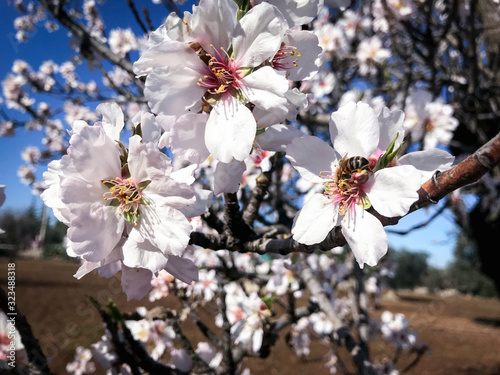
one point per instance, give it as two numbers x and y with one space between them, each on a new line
220 87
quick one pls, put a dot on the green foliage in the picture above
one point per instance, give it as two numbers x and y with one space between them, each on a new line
463 274
411 267
21 229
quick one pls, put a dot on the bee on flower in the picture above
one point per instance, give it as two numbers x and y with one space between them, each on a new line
360 172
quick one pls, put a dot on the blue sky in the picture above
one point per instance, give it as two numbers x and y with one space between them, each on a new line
437 239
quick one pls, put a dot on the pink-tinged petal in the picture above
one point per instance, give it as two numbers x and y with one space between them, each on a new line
112 119
392 191
166 228
315 220
213 23
173 90
167 54
391 123
136 282
188 138
365 235
311 156
228 176
182 269
230 131
266 89
307 44
354 130
428 161
258 35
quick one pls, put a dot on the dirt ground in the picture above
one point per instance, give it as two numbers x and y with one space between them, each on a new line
463 332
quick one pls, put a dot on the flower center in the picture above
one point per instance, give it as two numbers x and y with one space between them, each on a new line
127 195
428 125
286 58
221 75
345 184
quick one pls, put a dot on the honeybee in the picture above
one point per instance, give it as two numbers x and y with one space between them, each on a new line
348 166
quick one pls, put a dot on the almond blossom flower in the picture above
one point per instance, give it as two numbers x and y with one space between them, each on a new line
81 364
122 205
283 279
156 335
207 284
214 58
370 54
429 121
246 314
352 183
320 323
122 41
396 328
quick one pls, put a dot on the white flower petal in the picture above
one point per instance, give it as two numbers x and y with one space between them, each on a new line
143 255
213 23
354 130
94 231
266 89
166 228
203 202
365 235
277 137
173 90
392 191
188 138
94 155
136 282
315 220
307 45
391 123
298 12
258 35
428 161
113 119
310 156
182 269
228 176
167 54
146 161
230 131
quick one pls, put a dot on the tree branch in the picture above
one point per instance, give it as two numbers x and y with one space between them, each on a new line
441 184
